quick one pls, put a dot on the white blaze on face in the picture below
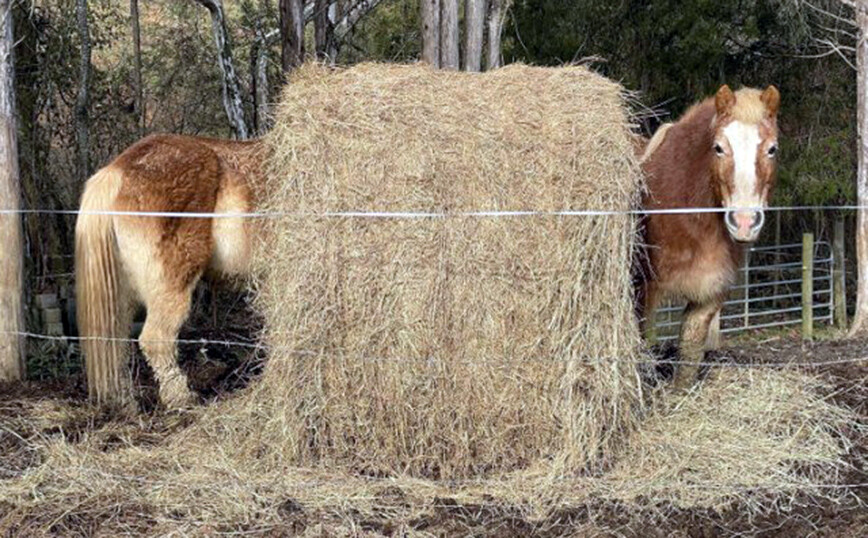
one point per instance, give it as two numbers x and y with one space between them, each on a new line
744 221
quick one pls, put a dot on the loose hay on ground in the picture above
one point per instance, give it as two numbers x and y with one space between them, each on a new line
750 439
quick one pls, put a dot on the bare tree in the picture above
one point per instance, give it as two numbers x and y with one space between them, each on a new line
857 19
474 29
431 32
137 65
449 37
860 319
231 93
336 13
11 315
292 34
323 28
82 101
259 76
497 10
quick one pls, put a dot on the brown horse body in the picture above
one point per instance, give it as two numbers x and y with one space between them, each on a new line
719 155
156 261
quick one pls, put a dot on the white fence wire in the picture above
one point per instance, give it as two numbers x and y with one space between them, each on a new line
750 294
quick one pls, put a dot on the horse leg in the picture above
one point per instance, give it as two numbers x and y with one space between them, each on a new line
694 331
712 341
167 309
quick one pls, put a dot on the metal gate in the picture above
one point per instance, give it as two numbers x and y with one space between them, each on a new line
768 292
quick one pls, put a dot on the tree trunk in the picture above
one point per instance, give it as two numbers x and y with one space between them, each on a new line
449 36
336 13
292 34
82 101
860 319
496 17
474 28
231 94
259 80
137 66
431 32
323 28
11 286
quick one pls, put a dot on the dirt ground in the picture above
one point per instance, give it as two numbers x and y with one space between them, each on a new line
848 377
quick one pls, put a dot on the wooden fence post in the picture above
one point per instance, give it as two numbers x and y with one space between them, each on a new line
807 286
839 285
12 366
745 280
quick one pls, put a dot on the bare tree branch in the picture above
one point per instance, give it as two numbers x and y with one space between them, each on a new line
826 13
353 16
82 101
231 93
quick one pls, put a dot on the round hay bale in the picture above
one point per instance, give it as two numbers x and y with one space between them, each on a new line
451 346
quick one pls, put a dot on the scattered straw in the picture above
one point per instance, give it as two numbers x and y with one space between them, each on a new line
756 440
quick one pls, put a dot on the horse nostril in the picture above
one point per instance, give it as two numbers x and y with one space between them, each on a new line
730 219
759 219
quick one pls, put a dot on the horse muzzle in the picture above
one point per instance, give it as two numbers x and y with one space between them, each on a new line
744 225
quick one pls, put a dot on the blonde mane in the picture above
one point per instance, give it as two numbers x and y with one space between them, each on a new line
749 107
655 141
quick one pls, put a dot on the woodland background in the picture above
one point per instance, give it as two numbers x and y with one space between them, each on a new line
81 99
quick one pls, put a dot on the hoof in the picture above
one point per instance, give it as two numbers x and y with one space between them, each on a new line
179 400
174 393
685 378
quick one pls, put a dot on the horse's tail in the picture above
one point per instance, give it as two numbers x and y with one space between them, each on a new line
102 307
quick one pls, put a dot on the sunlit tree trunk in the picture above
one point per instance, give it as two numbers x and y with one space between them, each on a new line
474 29
431 32
82 101
231 93
860 319
496 17
291 34
11 316
259 80
336 13
449 37
137 65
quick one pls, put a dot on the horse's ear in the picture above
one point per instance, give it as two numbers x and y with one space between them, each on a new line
724 100
771 98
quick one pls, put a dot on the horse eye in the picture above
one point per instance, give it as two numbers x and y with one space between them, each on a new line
772 151
718 149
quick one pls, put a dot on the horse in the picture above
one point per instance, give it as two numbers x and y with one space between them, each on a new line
721 154
157 261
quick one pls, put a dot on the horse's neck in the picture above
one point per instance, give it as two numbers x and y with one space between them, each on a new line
679 160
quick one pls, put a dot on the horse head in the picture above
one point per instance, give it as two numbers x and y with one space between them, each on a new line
744 157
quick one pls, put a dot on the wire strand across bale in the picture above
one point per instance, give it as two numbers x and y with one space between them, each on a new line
457 346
